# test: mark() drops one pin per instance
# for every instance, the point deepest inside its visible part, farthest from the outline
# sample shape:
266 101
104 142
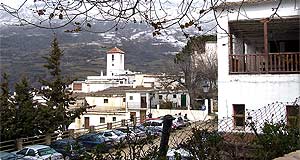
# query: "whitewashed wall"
135 103
169 97
255 91
193 115
263 10
95 119
118 64
113 102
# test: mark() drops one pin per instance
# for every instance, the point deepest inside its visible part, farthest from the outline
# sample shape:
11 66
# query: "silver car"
113 135
39 152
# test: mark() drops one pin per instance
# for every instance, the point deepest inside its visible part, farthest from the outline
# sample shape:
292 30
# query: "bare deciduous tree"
198 63
160 14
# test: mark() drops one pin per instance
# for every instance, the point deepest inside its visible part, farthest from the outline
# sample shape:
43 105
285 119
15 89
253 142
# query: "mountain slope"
22 50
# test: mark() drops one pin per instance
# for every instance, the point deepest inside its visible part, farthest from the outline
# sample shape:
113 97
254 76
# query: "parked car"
153 131
178 122
184 154
158 123
139 134
114 135
7 156
69 148
39 152
119 133
93 140
129 134
133 133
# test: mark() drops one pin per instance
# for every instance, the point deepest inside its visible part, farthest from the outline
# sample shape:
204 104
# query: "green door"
183 100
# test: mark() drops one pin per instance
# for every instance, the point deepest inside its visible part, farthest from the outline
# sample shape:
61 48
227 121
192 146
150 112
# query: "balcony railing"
136 105
273 63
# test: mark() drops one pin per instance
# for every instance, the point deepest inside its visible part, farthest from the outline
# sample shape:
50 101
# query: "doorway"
132 116
86 122
142 116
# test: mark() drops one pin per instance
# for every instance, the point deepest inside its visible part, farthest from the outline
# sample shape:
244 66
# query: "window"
114 119
23 151
112 57
107 134
112 64
86 122
130 97
239 115
77 86
102 119
121 82
293 116
31 152
174 95
105 100
159 96
124 99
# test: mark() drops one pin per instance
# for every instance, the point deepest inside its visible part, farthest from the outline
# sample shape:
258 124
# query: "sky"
173 10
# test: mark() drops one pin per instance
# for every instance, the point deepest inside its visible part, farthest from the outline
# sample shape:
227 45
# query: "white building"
117 103
115 62
122 94
115 76
258 56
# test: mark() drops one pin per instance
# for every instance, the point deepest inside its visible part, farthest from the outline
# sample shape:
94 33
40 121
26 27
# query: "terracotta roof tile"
115 50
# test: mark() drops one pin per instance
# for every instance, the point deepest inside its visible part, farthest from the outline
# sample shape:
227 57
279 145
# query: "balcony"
137 105
272 63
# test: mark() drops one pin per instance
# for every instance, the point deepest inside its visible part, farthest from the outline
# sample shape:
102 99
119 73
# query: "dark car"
133 132
138 133
93 141
69 148
7 156
153 131
129 134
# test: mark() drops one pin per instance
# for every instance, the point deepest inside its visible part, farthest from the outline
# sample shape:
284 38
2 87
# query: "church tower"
114 62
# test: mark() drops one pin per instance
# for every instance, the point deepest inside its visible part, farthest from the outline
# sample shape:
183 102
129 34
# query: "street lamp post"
151 97
205 88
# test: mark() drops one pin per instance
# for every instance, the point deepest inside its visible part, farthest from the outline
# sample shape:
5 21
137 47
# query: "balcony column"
265 36
266 52
230 44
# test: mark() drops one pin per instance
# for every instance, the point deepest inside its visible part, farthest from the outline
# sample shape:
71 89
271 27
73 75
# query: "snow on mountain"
170 39
142 34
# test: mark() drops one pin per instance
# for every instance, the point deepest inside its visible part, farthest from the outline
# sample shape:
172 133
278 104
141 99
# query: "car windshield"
118 133
46 151
99 138
136 130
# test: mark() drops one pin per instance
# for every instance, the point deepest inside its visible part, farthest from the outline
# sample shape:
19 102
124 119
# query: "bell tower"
114 62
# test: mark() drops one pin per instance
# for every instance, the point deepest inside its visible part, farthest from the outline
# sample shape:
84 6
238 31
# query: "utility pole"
167 124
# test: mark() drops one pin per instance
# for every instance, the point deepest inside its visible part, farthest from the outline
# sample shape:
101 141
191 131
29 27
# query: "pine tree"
26 110
7 118
56 115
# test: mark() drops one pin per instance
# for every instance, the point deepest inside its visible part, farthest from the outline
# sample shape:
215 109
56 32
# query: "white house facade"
258 56
123 94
